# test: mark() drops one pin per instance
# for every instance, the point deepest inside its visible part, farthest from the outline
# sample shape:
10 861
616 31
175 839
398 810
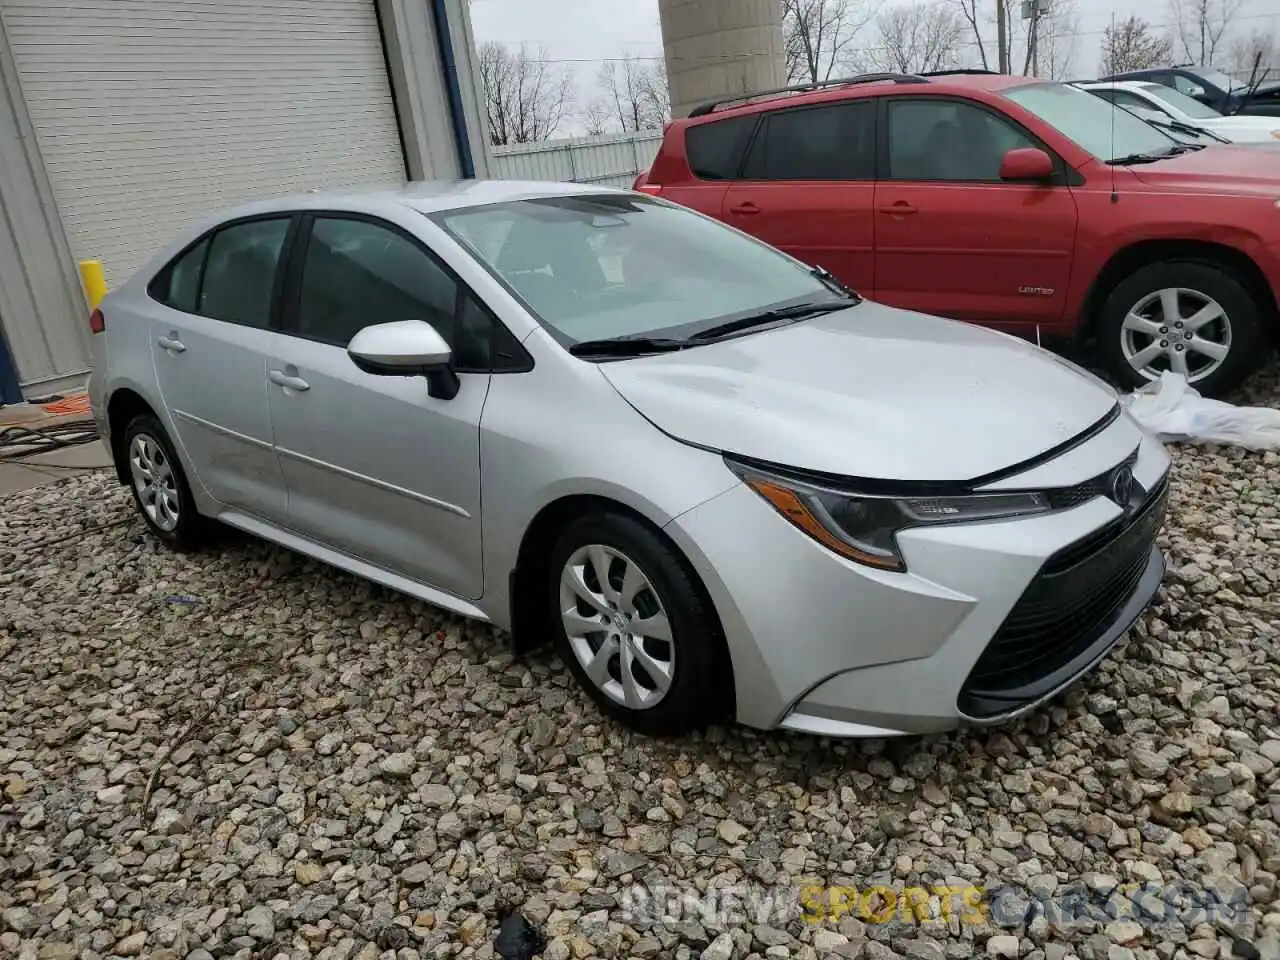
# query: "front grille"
1074 599
1062 498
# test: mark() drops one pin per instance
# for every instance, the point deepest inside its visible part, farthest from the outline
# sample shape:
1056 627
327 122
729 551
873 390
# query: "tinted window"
714 149
941 140
821 143
178 284
240 273
357 273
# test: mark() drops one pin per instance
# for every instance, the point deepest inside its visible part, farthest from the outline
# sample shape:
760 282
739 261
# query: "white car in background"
1142 97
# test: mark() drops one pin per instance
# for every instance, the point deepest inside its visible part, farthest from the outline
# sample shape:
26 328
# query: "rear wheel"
160 487
1188 317
633 628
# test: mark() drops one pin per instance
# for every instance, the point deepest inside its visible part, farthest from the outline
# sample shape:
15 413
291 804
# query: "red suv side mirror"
1026 163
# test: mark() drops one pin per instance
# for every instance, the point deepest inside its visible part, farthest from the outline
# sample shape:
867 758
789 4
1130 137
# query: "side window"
835 142
178 284
356 273
950 141
1187 85
240 272
715 148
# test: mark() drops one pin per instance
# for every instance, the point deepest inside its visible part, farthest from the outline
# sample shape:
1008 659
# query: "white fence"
612 160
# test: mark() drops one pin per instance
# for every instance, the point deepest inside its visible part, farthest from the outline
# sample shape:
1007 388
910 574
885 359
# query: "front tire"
1190 317
633 628
160 488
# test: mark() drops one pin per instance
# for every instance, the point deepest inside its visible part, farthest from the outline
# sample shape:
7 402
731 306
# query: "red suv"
1010 202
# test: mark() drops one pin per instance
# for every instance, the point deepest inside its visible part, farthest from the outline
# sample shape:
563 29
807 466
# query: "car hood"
1226 168
869 392
1255 126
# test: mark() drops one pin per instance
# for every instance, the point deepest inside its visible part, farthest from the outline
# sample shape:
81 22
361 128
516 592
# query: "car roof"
425 196
942 81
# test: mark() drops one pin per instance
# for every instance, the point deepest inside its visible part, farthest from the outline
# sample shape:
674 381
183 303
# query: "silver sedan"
718 481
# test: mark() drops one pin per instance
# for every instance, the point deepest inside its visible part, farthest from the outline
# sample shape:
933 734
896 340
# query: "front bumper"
823 645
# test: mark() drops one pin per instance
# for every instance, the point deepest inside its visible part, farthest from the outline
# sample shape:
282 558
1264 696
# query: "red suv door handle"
746 207
898 208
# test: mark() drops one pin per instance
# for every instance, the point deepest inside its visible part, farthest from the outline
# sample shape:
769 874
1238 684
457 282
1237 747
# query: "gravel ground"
242 752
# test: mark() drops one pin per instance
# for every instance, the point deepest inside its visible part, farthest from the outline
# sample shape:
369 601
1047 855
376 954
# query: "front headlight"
864 527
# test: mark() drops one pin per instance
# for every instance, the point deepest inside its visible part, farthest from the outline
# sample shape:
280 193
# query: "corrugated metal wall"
613 161
43 314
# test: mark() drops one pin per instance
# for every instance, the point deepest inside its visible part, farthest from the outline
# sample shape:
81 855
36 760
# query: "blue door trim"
10 392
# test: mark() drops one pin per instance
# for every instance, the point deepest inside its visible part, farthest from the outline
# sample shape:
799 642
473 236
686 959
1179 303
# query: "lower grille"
1073 601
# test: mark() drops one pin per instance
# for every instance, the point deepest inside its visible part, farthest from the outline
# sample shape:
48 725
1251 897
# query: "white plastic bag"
1173 410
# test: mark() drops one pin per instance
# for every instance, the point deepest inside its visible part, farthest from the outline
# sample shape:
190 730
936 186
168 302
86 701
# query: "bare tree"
1259 47
633 96
1059 40
818 35
1130 44
525 95
974 15
1201 25
917 37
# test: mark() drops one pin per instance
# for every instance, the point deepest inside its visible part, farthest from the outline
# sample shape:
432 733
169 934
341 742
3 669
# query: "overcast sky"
582 33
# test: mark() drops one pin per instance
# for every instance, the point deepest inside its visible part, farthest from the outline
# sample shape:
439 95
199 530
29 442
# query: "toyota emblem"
1122 486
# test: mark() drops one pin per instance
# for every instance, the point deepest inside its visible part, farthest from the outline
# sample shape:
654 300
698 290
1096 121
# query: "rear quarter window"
715 149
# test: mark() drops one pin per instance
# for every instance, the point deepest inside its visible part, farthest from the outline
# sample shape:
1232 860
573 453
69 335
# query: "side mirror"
406 348
1195 90
1026 164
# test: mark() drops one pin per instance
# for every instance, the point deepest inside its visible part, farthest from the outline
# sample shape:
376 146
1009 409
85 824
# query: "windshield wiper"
627 346
1153 156
826 277
1177 126
795 312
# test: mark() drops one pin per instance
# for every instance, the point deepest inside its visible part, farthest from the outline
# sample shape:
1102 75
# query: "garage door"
152 113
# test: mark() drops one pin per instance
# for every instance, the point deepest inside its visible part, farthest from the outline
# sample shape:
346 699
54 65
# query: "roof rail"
702 109
959 71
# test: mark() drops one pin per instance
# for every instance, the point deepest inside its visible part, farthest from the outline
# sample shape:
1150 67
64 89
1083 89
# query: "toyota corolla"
717 480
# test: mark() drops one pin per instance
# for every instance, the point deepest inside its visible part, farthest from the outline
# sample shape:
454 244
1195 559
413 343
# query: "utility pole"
1002 36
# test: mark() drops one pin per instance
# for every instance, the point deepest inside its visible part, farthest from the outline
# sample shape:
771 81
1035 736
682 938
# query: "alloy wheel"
1176 329
617 626
154 480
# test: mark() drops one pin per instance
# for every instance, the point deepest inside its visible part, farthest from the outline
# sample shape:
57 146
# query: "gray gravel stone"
366 776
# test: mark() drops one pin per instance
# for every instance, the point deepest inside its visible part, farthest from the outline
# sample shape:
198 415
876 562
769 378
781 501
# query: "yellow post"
94 280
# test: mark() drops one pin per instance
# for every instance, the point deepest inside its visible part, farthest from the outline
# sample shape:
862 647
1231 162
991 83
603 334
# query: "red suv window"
715 149
832 142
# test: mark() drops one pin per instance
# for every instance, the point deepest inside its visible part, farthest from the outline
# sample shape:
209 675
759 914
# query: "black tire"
699 675
191 530
1244 313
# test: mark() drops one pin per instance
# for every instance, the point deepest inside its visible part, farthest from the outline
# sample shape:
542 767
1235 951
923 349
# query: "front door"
376 467
808 188
208 331
951 237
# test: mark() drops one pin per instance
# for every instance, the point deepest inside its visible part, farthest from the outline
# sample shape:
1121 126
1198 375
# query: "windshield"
1217 78
599 267
1190 106
1097 125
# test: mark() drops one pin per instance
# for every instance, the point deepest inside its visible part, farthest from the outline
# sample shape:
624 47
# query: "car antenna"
1115 198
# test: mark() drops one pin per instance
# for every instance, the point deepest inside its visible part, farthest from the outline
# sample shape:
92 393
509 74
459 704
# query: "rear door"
951 237
808 187
210 317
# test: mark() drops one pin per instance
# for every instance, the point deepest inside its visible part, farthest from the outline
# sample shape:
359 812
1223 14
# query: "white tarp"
1174 411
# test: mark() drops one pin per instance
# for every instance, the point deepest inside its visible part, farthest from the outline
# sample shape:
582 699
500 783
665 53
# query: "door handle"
172 343
898 208
288 382
747 207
